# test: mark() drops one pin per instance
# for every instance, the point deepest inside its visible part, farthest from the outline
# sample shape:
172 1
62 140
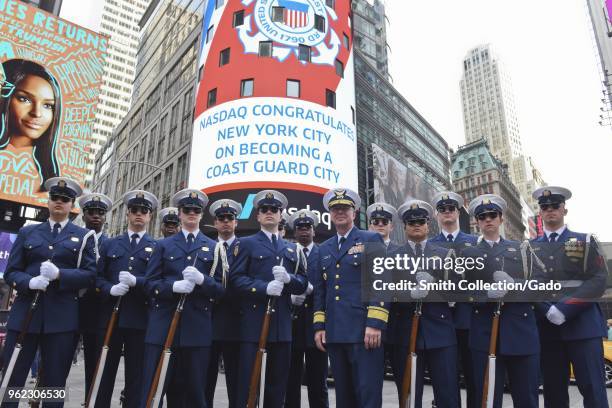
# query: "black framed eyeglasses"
141 210
484 216
553 206
382 221
189 210
268 208
446 208
413 223
57 197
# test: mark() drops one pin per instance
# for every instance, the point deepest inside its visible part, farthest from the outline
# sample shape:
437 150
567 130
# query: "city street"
76 393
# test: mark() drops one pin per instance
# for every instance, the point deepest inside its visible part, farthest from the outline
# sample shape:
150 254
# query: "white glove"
49 270
190 273
309 289
499 277
555 316
419 293
298 300
127 278
183 286
280 274
119 289
275 288
38 283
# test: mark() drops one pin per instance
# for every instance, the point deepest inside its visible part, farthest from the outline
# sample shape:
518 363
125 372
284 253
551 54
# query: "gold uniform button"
305 304
189 258
254 306
129 268
337 297
354 256
382 303
336 287
253 290
260 257
156 292
171 257
338 266
525 314
442 316
476 311
551 257
337 276
50 247
131 258
277 258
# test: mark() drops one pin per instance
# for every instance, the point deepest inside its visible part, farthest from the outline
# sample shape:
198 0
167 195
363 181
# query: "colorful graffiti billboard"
50 80
275 102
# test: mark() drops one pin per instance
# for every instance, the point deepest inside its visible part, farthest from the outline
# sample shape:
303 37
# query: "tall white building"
489 113
119 21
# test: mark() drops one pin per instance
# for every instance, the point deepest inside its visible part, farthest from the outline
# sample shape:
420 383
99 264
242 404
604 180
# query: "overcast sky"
547 49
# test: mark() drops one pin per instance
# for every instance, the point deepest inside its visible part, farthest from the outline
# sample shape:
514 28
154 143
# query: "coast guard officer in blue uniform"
518 346
571 328
94 207
447 205
303 349
436 343
121 274
55 259
381 216
266 265
226 310
181 264
350 330
170 223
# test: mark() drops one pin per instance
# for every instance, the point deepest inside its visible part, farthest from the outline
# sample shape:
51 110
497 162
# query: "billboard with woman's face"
50 76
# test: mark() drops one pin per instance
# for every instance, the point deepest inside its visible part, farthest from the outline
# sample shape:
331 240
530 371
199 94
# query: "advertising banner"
50 77
275 103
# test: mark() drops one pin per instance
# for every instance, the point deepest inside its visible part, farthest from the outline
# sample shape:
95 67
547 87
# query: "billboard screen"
394 183
6 243
275 101
50 78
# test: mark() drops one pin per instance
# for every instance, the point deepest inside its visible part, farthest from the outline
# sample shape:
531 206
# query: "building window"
319 23
265 48
246 87
238 18
339 68
209 34
330 98
345 41
293 88
218 3
330 3
212 97
278 14
224 57
304 53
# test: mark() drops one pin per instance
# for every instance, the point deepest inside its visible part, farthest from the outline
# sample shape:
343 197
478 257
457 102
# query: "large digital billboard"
275 101
50 77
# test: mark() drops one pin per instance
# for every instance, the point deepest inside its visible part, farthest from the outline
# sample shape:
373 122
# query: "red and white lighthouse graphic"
275 102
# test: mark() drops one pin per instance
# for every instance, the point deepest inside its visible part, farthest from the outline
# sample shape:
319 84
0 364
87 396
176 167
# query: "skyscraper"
119 21
599 12
370 35
489 113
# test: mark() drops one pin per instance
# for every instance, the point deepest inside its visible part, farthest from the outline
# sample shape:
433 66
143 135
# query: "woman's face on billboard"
31 107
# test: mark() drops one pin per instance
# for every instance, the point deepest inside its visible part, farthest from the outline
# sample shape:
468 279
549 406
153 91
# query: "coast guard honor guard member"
381 216
94 207
121 273
182 265
170 223
571 328
51 262
350 330
266 265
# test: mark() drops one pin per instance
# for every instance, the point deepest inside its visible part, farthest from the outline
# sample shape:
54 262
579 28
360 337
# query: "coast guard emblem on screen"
283 25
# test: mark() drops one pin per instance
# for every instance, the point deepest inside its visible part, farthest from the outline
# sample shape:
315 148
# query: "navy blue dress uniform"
436 343
304 353
250 277
193 338
129 252
518 345
89 300
225 318
55 321
462 311
339 310
169 215
574 259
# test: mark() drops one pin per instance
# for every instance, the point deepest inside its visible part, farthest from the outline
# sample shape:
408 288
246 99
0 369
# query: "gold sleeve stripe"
378 314
380 309
319 317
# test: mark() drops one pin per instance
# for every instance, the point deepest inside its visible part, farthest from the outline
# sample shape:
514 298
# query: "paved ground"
76 392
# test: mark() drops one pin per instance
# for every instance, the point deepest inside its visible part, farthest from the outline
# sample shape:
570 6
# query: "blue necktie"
553 237
449 237
56 229
341 242
190 239
133 241
418 249
274 242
